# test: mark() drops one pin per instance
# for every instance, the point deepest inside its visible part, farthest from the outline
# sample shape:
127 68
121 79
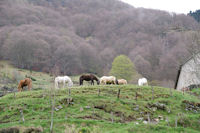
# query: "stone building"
189 73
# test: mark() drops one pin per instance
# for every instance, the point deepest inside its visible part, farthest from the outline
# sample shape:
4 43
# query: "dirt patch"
33 130
92 117
10 130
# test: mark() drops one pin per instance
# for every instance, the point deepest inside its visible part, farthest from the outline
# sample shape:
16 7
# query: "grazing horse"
25 82
108 80
122 81
88 77
64 79
142 81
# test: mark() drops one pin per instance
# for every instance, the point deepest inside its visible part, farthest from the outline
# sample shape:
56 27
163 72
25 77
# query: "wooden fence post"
152 92
22 115
136 96
176 120
14 95
52 108
149 120
99 92
112 117
118 94
170 91
69 91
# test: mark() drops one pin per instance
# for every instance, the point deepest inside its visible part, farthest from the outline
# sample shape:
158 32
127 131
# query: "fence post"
99 92
69 89
176 122
118 93
14 95
136 96
152 92
170 91
112 117
149 120
52 108
22 115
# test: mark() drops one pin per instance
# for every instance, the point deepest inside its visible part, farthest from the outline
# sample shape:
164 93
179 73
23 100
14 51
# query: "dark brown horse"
25 82
88 77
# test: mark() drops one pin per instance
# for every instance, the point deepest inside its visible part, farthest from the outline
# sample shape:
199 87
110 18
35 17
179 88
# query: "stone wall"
190 73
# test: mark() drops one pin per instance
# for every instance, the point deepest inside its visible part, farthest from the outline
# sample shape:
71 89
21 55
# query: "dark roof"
189 59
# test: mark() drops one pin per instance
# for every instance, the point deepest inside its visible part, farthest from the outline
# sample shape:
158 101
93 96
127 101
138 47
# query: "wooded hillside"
76 36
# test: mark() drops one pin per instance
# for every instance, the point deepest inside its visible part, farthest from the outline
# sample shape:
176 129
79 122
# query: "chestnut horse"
88 77
25 82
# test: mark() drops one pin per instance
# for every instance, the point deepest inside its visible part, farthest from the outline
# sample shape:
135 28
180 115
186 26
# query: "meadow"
96 109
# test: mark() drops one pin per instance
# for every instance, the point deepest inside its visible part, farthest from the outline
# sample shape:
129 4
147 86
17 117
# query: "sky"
177 6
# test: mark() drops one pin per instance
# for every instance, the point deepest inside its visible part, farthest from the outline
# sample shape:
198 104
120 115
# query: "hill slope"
85 111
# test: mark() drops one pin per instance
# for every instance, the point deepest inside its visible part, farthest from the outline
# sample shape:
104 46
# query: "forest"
84 36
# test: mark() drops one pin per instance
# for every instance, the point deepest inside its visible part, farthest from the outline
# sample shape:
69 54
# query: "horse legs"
19 89
80 81
63 84
92 82
30 86
56 85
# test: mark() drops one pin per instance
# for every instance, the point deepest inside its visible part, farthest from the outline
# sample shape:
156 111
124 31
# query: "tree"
123 67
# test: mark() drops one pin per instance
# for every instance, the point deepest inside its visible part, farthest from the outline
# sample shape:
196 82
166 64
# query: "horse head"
116 81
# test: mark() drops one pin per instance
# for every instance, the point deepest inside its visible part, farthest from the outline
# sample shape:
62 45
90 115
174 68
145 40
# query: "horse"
88 77
122 81
142 81
64 79
108 80
23 83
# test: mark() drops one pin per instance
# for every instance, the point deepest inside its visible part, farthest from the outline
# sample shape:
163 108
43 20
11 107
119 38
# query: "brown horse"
25 82
88 77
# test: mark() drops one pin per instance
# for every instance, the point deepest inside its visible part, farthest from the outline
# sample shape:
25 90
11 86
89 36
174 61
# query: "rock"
136 109
141 118
58 108
136 123
87 107
156 119
157 105
160 117
145 122
154 109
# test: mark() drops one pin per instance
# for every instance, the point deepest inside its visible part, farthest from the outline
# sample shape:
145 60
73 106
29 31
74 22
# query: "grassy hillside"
86 111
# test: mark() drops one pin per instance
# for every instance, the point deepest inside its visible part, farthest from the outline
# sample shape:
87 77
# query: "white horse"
108 80
142 82
64 79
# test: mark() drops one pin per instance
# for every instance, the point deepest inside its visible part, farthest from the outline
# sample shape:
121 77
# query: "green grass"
89 112
96 114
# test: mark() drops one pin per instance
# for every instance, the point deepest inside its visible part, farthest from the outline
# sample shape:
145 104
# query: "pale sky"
177 6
